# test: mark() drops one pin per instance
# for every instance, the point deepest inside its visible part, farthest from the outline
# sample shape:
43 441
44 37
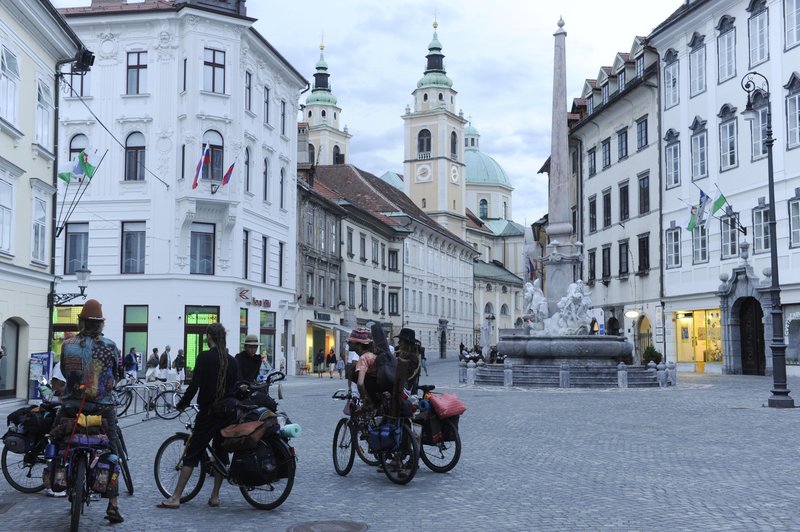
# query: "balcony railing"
424 155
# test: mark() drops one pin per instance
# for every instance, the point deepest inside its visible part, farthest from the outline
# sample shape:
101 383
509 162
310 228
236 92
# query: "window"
591 266
134 328
730 236
78 84
604 93
201 260
184 74
350 242
606 150
242 327
283 117
364 295
673 241
44 104
483 208
591 161
758 29
363 245
375 251
383 256
424 144
623 258
76 242
606 208
606 258
332 299
6 215
282 191
248 90
671 87
622 144
281 255
134 157
699 244
321 292
794 222
758 127
699 163
644 253
590 103
9 77
351 292
338 156
245 253
644 194
621 80
793 115
760 230
309 287
792 21
726 50
697 65
38 253
266 106
727 140
672 157
640 66
592 214
453 145
624 211
214 71
641 133
266 179
213 168
376 297
393 303
247 169
264 258
133 247
137 73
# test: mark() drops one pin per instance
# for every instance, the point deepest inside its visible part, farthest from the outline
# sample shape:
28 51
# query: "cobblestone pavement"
706 455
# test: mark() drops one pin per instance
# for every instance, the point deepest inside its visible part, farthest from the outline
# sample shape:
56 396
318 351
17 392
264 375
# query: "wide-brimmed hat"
360 336
407 335
251 339
92 310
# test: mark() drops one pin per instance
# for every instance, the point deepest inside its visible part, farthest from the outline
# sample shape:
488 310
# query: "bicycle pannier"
254 467
385 438
17 442
243 436
447 404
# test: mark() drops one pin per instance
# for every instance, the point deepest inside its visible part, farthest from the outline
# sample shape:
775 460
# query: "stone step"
581 376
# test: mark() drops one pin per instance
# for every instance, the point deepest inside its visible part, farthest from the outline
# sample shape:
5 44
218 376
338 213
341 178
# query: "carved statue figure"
572 317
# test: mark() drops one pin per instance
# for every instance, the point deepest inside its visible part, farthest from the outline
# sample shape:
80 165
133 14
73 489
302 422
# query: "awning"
328 325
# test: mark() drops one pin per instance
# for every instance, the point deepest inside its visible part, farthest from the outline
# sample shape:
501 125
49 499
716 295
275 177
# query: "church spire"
435 74
321 76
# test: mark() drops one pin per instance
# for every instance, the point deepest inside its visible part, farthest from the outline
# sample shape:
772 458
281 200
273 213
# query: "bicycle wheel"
344 451
122 454
362 449
167 468
443 456
23 472
122 400
272 495
400 466
78 490
165 404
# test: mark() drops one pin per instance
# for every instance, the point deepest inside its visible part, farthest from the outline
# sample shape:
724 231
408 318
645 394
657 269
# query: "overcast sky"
498 53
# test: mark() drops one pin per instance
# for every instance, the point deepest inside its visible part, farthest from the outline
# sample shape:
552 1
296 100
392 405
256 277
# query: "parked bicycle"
264 474
160 398
440 442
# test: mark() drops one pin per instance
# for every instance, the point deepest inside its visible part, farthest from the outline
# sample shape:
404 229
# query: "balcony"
423 155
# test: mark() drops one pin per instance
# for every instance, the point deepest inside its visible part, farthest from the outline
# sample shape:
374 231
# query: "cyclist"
407 350
214 378
90 365
360 341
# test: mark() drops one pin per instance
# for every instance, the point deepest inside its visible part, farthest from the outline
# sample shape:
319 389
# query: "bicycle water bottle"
51 451
292 430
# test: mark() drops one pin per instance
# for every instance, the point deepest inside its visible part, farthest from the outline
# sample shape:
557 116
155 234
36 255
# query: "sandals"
113 515
167 505
213 502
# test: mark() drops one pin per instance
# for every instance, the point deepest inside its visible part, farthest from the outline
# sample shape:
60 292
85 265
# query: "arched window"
424 203
78 143
441 97
266 179
338 156
505 210
453 144
504 309
283 188
425 97
309 114
212 169
134 157
247 169
311 154
323 113
424 144
483 209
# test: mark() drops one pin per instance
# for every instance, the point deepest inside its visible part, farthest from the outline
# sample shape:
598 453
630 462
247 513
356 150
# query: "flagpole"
85 185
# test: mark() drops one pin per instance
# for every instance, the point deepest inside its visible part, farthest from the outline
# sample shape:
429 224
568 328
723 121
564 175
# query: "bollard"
508 373
651 367
672 374
563 375
462 372
471 373
622 375
661 375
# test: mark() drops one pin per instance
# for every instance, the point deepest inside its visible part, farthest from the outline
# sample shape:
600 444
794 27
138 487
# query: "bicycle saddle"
426 387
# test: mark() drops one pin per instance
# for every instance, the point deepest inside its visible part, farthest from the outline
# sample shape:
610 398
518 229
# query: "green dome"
470 131
483 170
321 97
435 44
435 79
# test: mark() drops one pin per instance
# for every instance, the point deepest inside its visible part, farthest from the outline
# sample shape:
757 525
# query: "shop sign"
244 295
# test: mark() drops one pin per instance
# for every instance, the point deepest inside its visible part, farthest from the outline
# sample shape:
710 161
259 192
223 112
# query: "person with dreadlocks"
214 377
90 364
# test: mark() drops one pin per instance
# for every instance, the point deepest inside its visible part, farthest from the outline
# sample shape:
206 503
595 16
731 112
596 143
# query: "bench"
302 368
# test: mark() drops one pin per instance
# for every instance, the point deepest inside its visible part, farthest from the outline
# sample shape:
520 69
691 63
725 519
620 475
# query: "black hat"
407 335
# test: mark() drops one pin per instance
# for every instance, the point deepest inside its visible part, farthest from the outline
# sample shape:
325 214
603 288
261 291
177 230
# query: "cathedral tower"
434 146
327 144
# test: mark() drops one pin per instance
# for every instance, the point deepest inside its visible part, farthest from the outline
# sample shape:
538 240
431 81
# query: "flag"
86 166
227 177
717 204
697 213
204 159
71 168
692 218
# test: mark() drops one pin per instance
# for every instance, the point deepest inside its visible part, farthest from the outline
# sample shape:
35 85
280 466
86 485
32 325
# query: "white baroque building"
172 79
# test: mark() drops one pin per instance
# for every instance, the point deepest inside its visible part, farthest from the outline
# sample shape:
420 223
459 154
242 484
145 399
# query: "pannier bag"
447 404
105 473
16 441
385 438
243 436
254 467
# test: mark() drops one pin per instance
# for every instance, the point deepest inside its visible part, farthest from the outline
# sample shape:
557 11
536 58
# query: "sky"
499 55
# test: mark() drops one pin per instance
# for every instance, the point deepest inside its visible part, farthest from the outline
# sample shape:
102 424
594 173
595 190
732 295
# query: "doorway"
751 330
9 358
196 320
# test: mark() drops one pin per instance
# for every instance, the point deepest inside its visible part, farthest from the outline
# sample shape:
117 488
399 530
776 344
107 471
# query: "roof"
686 7
502 227
484 170
474 223
394 179
495 272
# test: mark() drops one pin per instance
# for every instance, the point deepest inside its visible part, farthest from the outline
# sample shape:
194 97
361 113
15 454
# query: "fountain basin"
592 350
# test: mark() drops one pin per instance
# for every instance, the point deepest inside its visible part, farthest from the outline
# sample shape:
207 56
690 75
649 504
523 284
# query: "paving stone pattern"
703 456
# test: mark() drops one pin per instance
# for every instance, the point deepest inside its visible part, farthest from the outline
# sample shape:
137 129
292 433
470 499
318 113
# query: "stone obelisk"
562 256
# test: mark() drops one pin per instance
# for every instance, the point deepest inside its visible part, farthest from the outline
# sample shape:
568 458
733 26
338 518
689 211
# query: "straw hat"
92 310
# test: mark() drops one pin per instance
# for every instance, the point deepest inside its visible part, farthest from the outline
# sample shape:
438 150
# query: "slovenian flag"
227 177
204 160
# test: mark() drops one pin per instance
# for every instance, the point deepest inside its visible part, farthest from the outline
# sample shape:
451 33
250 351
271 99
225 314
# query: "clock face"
423 172
454 174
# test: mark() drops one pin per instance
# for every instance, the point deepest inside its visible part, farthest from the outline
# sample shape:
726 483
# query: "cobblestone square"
703 456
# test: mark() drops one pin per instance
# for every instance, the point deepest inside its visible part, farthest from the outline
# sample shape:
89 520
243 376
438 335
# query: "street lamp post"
54 299
755 83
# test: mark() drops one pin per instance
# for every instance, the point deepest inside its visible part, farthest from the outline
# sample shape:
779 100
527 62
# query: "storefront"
698 339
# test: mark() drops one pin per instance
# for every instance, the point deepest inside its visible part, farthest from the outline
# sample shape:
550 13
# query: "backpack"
387 371
254 467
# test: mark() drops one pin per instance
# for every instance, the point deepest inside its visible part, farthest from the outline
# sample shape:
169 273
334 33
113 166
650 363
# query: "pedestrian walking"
330 361
164 364
319 362
180 366
422 358
340 366
130 364
152 366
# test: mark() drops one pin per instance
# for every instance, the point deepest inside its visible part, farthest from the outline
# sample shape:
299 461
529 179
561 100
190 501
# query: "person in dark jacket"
249 360
213 380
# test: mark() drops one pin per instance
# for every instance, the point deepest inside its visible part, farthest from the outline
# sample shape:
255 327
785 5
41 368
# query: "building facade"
190 216
34 41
